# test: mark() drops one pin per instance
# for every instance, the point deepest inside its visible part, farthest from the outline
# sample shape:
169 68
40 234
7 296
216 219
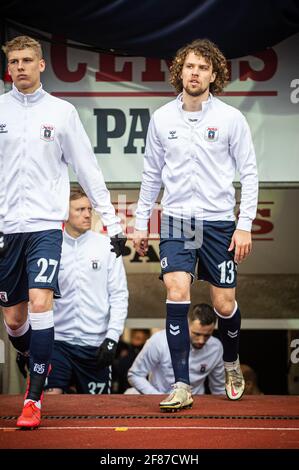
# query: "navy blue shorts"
76 365
31 261
185 244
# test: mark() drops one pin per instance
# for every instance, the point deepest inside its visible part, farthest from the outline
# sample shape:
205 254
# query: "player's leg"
14 296
177 332
43 257
177 265
229 326
217 266
229 320
18 327
177 306
42 338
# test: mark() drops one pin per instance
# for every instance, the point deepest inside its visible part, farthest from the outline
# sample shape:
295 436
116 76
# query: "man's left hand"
106 353
119 243
241 242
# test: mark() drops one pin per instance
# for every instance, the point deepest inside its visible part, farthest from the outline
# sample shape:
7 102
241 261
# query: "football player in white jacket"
152 373
195 144
40 136
2 202
90 315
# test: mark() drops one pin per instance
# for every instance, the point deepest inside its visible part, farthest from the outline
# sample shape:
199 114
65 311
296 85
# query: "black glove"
119 243
3 244
105 353
22 361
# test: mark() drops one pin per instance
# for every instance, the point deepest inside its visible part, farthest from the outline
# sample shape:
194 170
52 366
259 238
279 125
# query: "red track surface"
135 422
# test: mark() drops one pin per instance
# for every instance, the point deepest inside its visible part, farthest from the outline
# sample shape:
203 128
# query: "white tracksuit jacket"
39 136
3 208
154 361
94 294
197 164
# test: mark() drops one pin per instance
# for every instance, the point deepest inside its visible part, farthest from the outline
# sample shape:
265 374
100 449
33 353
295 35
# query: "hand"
3 244
106 353
22 361
241 242
119 243
140 241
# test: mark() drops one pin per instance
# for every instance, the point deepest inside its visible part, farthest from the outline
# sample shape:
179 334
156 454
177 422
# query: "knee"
13 323
38 306
176 292
176 295
178 286
224 307
41 302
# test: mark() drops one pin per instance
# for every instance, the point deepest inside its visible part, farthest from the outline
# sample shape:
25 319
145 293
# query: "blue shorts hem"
215 284
56 293
174 270
12 304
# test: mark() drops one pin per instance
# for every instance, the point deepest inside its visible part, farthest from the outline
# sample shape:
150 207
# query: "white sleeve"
151 177
146 360
242 150
3 202
118 297
77 152
217 376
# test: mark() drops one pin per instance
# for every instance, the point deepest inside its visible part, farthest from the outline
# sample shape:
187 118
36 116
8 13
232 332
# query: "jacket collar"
208 102
29 98
71 240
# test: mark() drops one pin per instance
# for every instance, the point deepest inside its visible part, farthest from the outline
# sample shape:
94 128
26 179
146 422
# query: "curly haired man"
195 144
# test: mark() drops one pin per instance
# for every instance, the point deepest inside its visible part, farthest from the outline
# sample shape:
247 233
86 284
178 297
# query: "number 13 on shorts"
227 272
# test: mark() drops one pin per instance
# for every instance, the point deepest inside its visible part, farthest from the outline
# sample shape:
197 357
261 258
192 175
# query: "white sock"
37 403
232 365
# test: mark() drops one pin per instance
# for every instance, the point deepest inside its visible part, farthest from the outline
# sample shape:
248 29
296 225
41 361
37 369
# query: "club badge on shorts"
211 134
47 132
3 296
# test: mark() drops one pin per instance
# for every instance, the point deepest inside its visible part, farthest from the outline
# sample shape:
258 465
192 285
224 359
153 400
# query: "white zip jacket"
2 194
94 294
40 136
154 361
197 164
